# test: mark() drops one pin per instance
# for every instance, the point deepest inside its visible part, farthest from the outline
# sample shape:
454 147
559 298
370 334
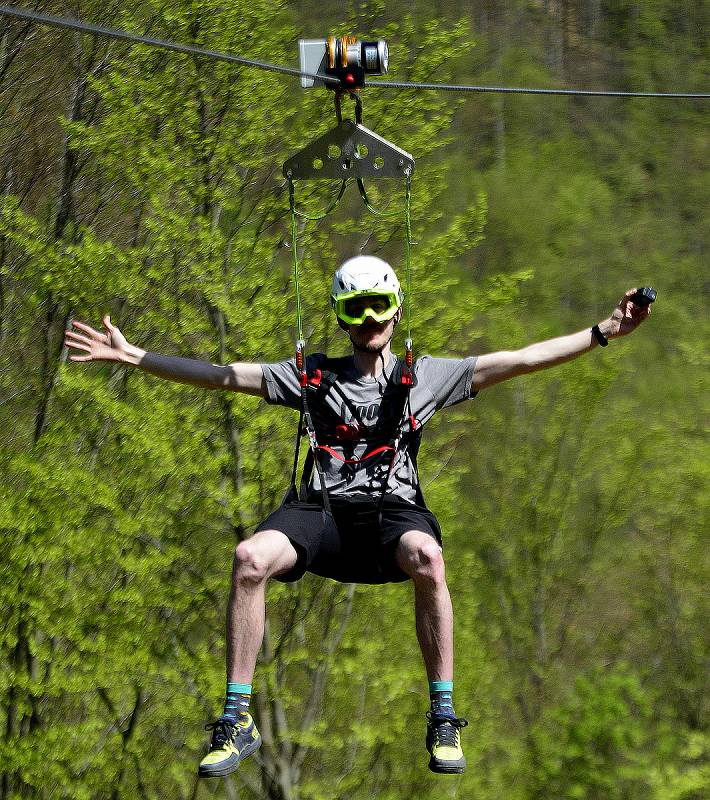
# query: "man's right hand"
96 346
92 345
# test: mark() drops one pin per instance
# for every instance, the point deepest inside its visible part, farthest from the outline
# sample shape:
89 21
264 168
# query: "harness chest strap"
322 382
311 460
376 452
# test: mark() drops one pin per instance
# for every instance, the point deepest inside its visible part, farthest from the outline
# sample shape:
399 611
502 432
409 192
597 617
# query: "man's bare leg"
256 559
420 556
234 734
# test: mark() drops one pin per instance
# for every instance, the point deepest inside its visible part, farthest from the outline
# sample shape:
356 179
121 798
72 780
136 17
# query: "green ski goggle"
355 307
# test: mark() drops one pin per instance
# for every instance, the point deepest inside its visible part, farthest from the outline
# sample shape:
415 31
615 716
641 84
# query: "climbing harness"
350 151
382 441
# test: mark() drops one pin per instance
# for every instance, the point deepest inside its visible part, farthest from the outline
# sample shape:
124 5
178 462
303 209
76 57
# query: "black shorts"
356 544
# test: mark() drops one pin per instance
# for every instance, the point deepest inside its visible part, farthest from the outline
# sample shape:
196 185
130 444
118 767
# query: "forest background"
574 502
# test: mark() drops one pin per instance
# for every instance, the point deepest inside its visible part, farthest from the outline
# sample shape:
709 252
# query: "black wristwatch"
599 336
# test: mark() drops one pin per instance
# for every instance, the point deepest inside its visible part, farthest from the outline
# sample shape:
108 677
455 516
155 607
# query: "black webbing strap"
306 474
405 419
327 380
313 451
292 493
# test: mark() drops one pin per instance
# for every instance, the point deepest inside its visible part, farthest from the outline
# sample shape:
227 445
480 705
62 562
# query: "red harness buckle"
407 378
315 378
347 433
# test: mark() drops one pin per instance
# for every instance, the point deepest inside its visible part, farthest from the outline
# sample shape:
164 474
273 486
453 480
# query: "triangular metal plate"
349 151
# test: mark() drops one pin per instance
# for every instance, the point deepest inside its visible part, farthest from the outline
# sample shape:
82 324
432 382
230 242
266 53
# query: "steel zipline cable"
456 87
134 38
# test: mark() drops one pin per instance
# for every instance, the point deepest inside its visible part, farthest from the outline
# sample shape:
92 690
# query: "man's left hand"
626 317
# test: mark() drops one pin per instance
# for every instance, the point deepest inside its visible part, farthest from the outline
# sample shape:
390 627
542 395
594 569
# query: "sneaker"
231 743
443 741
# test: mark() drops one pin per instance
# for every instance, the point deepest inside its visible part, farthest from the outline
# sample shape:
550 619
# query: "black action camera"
643 297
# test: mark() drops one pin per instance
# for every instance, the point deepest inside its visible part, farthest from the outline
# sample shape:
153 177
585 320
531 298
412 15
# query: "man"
371 524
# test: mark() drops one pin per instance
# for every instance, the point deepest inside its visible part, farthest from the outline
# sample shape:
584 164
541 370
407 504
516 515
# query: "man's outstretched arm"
93 345
493 368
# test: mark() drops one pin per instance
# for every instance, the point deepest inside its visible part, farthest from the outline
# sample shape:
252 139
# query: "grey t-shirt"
375 405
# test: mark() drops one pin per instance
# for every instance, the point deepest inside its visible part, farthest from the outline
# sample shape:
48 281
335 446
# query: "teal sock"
441 695
237 702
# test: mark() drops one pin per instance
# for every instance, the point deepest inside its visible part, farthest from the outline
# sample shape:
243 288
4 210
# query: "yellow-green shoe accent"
231 743
443 741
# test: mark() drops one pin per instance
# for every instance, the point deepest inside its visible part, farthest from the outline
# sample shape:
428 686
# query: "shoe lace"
222 732
446 729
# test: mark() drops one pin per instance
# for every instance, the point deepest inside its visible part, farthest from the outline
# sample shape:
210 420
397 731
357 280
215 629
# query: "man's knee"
252 563
421 558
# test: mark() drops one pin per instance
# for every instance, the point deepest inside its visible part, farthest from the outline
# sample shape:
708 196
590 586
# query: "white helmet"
362 276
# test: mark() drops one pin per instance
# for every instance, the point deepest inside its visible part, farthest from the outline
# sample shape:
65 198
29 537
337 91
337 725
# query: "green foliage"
574 503
687 776
590 746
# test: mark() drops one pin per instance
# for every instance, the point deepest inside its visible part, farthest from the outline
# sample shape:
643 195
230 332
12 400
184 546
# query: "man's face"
370 336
